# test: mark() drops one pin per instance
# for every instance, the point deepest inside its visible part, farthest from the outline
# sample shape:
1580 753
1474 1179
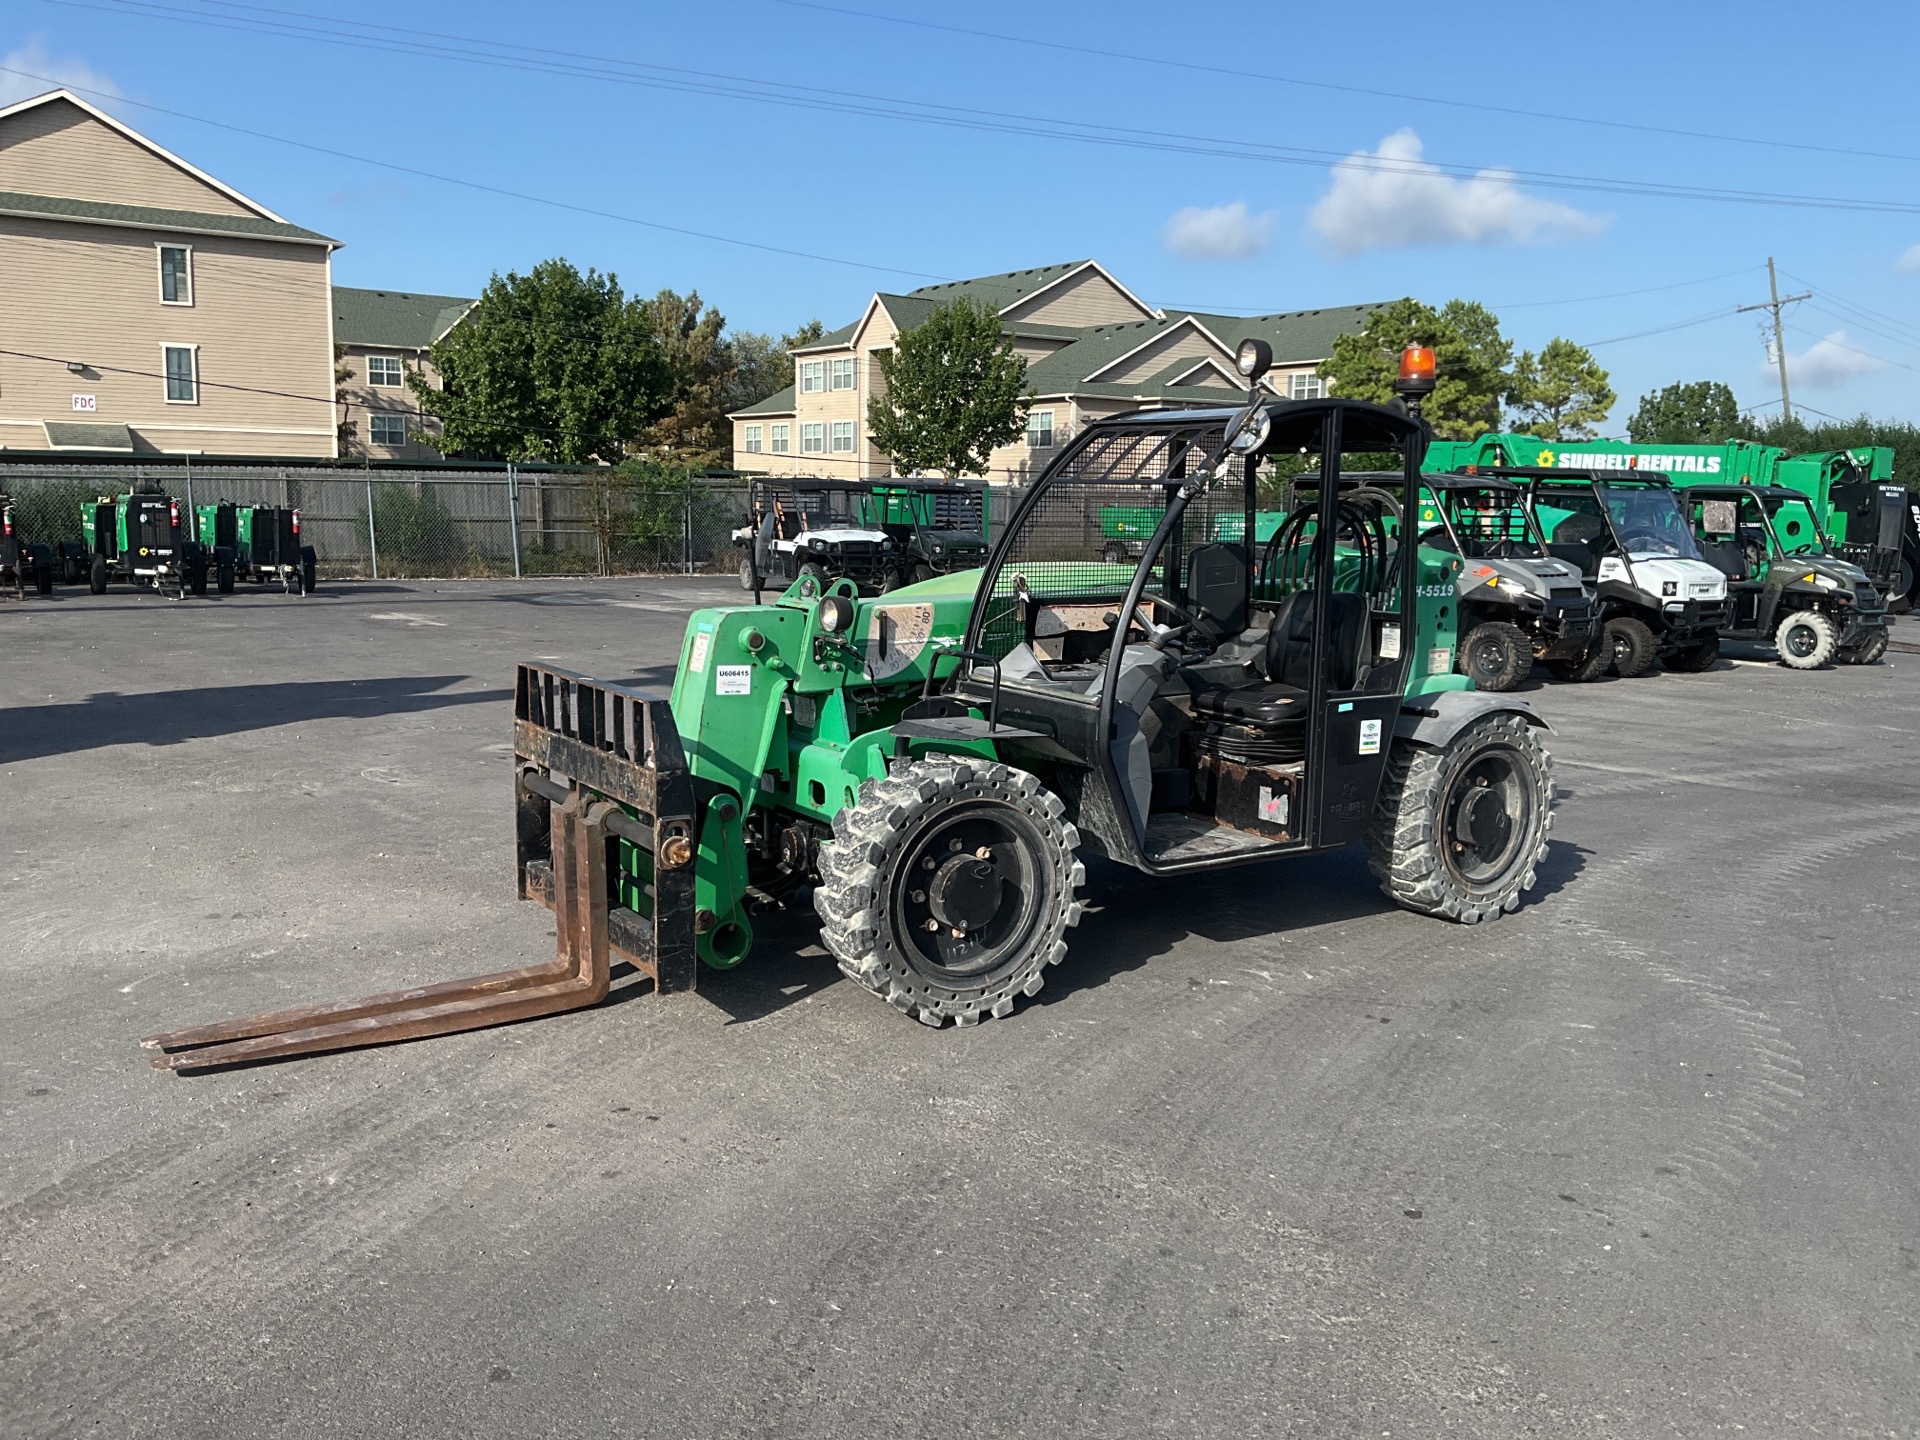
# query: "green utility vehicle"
936 763
256 543
937 526
1784 587
1518 602
1872 520
144 538
1655 597
22 558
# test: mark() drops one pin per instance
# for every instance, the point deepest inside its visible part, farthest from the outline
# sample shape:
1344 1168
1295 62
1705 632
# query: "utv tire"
1806 640
1114 554
904 871
922 571
815 573
746 575
1460 831
309 568
97 576
1695 659
1597 662
1496 655
1633 646
1868 651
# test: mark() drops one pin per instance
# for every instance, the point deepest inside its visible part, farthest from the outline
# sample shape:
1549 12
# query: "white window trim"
194 350
374 415
750 440
853 373
812 365
810 431
1052 432
780 438
399 384
834 432
160 272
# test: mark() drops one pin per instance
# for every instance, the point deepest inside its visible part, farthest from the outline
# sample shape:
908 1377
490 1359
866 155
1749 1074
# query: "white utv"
1655 595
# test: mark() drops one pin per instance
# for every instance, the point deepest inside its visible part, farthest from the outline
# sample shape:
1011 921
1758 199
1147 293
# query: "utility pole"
1779 337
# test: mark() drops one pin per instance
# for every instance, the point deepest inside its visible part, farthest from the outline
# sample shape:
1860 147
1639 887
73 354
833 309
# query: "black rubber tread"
1868 651
869 837
1515 652
1402 845
43 578
223 577
1597 662
309 566
1826 639
1634 648
97 575
817 572
1695 659
197 577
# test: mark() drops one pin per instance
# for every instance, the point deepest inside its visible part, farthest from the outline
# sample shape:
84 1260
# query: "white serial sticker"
733 680
896 634
1389 642
1440 660
702 642
1369 737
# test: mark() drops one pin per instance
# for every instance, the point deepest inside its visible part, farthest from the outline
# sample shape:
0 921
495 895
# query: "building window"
813 439
842 378
387 429
176 275
752 444
183 374
1305 387
813 376
1040 430
384 370
843 437
781 440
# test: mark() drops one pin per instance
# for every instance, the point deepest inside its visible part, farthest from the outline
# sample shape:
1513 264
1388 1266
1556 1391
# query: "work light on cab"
1254 358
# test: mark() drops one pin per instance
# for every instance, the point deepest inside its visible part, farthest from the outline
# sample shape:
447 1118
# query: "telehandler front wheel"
1806 640
1459 831
1496 655
948 889
1634 648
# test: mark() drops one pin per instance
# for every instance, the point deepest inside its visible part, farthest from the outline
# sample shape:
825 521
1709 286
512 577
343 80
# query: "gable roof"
394 317
66 96
778 403
96 212
998 291
1297 336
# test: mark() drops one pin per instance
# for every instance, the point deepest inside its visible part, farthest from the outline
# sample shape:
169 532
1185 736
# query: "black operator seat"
1277 694
1726 556
1217 590
1577 540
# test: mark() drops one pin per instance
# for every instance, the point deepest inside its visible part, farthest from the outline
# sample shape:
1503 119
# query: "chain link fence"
433 524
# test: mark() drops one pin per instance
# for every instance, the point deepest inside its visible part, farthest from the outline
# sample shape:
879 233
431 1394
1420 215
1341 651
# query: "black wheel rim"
1622 648
1800 641
969 892
1489 656
1486 816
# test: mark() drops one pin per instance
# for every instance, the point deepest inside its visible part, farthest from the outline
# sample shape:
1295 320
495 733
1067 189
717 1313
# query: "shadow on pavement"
168 717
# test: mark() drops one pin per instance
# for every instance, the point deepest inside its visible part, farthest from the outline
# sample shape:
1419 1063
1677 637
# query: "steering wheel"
1165 636
1755 553
1627 537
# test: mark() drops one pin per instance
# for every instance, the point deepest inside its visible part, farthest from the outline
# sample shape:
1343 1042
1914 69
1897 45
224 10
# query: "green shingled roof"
1297 336
49 207
999 291
832 340
778 403
393 317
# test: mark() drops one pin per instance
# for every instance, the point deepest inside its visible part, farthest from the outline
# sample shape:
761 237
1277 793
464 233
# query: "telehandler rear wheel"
1868 651
1634 648
1459 831
1806 640
1496 655
948 889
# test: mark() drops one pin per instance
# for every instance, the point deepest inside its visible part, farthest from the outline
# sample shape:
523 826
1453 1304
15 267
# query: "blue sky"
1281 224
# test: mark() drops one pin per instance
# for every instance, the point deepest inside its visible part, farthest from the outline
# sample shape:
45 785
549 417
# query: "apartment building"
381 337
149 306
1092 348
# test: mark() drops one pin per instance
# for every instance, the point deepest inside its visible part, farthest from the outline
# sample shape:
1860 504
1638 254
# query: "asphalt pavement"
1267 1157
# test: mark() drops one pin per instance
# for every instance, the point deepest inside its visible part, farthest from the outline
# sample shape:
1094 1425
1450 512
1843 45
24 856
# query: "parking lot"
1267 1157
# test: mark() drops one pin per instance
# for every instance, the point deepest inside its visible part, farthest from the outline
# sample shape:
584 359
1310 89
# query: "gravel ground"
1267 1157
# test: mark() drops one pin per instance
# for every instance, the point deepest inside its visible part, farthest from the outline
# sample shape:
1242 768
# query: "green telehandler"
936 764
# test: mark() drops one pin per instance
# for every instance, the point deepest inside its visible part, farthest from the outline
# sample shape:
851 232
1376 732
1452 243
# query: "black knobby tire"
1496 655
97 575
922 571
1459 831
1633 646
1806 640
223 573
906 862
1868 651
70 572
309 570
816 573
1900 599
1695 659
1596 662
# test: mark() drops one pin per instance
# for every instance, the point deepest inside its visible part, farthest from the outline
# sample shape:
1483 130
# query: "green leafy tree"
1471 357
552 365
694 430
954 390
1560 394
762 365
1697 412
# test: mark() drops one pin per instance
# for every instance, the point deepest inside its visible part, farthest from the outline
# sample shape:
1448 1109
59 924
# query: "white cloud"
1829 361
1909 260
1392 199
34 59
1220 232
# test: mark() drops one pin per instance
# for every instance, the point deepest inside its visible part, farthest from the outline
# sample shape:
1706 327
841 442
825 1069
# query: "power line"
1779 344
339 32
1619 294
1720 314
1827 294
1851 349
1457 104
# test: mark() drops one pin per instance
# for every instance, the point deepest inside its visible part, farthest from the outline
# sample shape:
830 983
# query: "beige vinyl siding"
1181 343
361 400
1087 298
89 293
59 149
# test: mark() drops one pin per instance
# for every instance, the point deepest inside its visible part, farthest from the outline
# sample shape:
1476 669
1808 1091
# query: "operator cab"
1212 699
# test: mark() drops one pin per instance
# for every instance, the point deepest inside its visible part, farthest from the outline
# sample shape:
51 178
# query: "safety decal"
1369 737
896 637
702 642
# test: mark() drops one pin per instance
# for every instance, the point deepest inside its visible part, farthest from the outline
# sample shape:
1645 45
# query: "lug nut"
675 851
